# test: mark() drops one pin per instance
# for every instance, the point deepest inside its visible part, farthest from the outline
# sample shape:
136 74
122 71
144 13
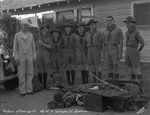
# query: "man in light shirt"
25 55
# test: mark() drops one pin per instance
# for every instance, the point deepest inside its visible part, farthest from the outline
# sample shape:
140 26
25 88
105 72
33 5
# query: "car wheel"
11 84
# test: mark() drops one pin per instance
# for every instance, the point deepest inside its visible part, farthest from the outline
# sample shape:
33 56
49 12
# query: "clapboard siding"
120 9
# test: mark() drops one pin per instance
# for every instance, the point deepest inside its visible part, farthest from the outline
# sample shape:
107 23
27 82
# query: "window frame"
132 10
84 8
43 17
67 10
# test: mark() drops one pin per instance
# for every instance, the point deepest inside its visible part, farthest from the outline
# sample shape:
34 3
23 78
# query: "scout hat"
55 30
130 19
91 21
44 26
67 24
80 24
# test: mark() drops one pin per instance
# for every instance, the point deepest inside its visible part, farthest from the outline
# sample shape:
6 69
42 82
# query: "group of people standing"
56 52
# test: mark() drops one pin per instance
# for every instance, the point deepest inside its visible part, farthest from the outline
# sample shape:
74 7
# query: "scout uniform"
25 51
69 54
133 39
81 54
94 44
43 58
112 38
56 56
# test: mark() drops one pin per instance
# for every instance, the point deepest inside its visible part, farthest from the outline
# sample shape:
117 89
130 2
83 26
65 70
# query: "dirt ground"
11 103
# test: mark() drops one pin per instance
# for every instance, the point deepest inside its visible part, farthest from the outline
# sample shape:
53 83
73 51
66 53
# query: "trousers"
25 73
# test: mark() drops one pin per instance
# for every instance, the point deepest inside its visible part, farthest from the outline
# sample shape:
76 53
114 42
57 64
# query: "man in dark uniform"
69 53
134 44
94 40
113 46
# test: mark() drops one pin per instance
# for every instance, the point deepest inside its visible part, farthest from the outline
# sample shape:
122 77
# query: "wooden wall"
119 9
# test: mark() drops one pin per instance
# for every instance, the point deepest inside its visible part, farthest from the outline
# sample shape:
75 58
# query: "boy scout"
69 52
24 54
113 46
81 52
134 44
56 55
94 40
43 55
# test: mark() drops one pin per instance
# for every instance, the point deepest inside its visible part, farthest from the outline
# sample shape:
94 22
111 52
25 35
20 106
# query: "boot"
52 76
116 75
40 78
83 76
94 79
99 75
68 77
45 80
73 76
110 75
133 76
86 76
139 76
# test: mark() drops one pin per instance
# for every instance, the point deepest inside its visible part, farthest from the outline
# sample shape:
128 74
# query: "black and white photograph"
74 57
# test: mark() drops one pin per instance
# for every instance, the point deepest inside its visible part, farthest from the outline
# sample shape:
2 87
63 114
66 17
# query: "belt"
93 45
56 51
111 45
132 46
69 47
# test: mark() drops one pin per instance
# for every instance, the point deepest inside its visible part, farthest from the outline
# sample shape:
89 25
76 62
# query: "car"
8 72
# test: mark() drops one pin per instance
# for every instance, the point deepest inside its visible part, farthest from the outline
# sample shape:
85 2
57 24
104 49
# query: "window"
48 17
68 14
84 14
142 13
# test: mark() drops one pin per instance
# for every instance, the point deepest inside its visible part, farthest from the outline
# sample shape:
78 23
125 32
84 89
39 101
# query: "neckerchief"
56 43
130 30
43 37
58 40
92 33
110 29
68 39
81 37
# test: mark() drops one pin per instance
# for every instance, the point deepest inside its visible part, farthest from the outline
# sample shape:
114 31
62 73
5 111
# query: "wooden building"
97 9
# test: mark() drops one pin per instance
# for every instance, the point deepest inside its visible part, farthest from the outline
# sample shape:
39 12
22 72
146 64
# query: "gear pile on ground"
118 95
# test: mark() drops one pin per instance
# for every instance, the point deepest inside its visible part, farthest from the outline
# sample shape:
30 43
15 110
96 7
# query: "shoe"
23 94
31 93
45 87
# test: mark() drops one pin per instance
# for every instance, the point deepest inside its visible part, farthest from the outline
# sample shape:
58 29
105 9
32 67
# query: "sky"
1 0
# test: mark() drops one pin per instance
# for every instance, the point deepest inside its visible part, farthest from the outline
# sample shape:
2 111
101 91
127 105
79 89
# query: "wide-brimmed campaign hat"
91 21
67 24
80 24
130 19
44 26
55 30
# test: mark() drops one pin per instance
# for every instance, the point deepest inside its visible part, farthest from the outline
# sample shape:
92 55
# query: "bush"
9 26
